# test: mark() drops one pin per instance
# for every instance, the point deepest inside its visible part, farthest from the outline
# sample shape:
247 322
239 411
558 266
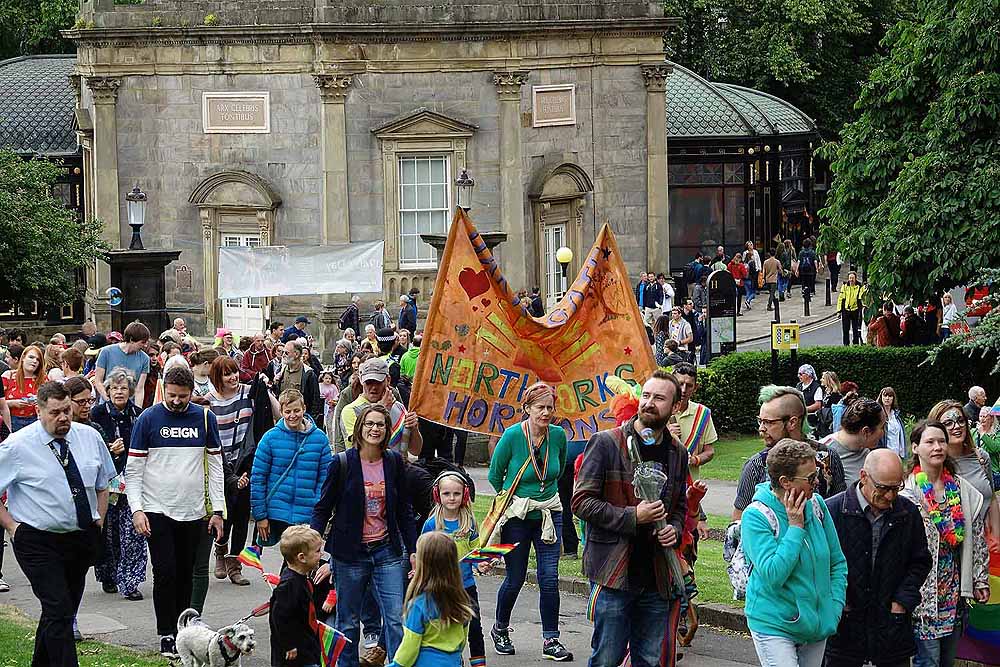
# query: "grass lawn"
731 452
713 582
17 638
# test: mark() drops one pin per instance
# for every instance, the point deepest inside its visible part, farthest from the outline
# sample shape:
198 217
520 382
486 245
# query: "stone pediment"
235 189
422 122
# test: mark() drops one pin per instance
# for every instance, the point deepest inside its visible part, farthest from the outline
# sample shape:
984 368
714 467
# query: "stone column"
105 205
333 89
515 261
657 202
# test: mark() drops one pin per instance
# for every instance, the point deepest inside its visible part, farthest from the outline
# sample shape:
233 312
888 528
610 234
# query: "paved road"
111 619
814 335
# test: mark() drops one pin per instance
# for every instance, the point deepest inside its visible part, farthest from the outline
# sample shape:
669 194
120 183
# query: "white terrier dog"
200 646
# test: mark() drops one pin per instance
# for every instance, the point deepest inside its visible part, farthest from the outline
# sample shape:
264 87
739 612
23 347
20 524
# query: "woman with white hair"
123 565
813 391
370 343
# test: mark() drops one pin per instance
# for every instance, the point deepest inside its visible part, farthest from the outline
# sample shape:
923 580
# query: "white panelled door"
555 283
244 317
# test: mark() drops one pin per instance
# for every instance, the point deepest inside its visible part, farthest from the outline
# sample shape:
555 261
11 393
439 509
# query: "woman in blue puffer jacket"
289 469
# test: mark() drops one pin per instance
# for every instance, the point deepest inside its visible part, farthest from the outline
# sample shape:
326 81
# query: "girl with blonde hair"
436 608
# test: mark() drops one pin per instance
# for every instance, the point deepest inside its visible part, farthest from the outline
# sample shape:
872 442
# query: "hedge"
730 384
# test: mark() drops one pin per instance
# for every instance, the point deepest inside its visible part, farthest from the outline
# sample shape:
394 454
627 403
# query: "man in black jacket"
883 539
296 375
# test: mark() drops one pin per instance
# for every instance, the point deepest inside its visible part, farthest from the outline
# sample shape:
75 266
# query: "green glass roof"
697 107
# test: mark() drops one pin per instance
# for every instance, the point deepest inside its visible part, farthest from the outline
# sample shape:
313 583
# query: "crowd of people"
862 538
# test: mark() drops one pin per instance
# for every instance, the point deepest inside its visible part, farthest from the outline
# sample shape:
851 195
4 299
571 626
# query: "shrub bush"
730 385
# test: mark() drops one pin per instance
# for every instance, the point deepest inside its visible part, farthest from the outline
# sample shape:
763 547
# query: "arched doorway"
558 203
236 208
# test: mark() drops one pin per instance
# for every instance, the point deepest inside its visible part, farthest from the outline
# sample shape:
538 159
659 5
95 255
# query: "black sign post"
720 329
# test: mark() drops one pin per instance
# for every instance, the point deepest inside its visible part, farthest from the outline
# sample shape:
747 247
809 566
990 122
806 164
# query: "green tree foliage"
814 53
29 27
41 241
917 177
981 342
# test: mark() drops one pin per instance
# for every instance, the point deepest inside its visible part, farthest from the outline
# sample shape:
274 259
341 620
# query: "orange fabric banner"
481 348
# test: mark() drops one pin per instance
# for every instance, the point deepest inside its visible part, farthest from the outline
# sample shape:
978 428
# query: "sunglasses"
812 479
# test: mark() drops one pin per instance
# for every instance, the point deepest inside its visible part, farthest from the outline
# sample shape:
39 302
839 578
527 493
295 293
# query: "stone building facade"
289 122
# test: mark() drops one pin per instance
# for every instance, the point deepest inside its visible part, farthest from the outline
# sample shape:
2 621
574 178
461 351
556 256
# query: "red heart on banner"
474 283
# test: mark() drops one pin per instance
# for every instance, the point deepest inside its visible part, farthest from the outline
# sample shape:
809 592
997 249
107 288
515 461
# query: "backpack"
346 317
738 567
824 422
807 263
831 257
690 276
420 484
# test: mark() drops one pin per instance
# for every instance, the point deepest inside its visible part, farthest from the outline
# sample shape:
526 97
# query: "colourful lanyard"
539 472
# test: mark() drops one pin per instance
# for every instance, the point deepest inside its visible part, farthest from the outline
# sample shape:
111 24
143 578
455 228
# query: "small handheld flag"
250 557
332 643
488 553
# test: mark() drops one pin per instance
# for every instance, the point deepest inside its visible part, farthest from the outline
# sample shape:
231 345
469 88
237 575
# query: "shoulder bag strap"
520 473
284 473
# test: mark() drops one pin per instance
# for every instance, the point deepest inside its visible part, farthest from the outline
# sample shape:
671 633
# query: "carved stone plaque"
236 113
553 105
182 278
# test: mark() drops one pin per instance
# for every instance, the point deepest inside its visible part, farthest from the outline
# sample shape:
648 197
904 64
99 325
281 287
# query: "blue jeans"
385 572
751 287
937 652
526 533
775 651
641 622
782 284
17 423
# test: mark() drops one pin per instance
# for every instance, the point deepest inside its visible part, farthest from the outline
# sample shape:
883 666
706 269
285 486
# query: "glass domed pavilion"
740 167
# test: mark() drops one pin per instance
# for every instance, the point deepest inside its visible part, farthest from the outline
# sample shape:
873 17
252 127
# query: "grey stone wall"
162 146
377 98
608 142
105 13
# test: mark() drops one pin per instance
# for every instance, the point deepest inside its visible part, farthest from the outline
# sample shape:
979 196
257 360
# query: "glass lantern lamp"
136 203
464 184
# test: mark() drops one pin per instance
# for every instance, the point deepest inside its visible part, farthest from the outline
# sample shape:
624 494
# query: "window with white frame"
424 203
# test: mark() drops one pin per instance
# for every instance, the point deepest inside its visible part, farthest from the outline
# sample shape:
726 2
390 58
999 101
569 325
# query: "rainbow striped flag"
396 437
981 641
489 552
250 557
332 643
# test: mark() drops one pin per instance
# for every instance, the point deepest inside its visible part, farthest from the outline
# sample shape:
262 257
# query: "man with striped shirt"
175 445
783 415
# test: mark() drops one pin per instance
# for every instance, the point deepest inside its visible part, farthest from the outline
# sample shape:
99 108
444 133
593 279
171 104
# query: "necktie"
84 518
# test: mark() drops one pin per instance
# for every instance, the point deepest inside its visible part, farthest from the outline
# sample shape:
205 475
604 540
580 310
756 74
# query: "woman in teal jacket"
798 576
289 469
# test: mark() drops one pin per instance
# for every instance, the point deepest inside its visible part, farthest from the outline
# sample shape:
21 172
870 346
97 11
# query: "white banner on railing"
298 270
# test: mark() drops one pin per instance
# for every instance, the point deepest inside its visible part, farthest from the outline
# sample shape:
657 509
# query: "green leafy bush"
730 385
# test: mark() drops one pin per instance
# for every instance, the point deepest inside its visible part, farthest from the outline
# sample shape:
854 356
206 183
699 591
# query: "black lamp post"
564 256
136 200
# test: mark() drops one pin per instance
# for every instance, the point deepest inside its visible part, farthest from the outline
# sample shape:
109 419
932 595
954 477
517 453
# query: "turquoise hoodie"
798 584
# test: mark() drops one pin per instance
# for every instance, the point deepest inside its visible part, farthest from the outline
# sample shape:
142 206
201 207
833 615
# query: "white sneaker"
4 586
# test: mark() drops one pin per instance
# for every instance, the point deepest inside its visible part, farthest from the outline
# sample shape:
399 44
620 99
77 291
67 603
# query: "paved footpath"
111 619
